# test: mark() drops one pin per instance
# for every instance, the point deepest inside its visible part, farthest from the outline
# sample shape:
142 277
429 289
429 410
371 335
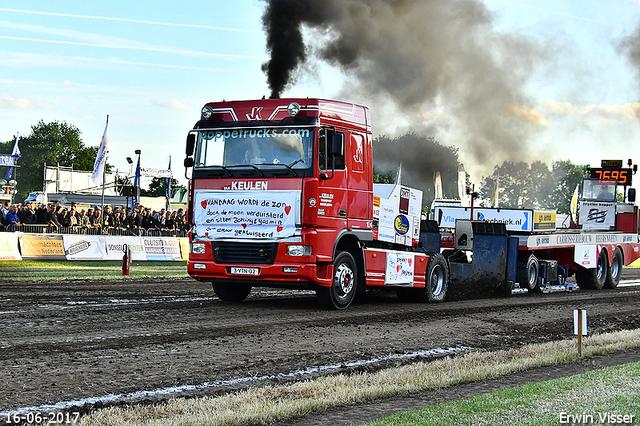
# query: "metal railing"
140 232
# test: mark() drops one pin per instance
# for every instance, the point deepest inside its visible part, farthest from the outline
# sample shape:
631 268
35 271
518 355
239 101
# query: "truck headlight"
298 250
197 248
207 112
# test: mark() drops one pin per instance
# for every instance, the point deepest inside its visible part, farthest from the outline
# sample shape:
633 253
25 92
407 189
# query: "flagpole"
104 177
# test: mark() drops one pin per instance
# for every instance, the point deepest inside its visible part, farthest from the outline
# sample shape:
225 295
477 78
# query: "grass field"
607 396
613 390
26 270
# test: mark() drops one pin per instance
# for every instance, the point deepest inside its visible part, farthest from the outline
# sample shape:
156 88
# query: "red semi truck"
281 194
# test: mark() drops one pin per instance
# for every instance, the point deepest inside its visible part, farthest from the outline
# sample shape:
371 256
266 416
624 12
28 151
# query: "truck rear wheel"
231 292
343 288
529 276
436 283
594 278
615 270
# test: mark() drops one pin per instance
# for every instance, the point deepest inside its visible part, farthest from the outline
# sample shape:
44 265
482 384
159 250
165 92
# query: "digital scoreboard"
621 176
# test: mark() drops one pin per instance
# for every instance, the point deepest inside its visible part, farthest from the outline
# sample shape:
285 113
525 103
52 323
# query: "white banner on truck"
597 215
246 214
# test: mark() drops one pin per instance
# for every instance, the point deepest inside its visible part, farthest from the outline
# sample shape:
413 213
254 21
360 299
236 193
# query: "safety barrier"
20 245
140 232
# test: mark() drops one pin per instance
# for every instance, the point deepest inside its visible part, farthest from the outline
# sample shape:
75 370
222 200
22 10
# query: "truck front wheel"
231 292
343 288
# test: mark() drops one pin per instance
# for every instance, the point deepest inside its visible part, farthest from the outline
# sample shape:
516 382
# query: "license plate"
245 271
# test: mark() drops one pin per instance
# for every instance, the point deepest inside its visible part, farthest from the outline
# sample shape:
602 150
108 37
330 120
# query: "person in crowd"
108 217
12 220
41 213
63 217
84 218
30 213
95 220
52 217
74 215
3 213
170 222
134 221
159 218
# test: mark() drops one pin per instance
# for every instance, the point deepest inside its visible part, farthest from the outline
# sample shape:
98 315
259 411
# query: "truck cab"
279 188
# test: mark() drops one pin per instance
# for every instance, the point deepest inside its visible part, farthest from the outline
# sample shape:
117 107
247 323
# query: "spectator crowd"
119 220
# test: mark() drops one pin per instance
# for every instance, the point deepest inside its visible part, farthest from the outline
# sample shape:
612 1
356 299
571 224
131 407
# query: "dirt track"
71 341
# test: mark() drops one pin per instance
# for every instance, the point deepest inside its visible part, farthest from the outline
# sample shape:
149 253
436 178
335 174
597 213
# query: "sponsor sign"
84 247
514 219
544 221
597 215
161 248
246 214
7 160
49 247
399 268
114 247
586 255
9 246
401 224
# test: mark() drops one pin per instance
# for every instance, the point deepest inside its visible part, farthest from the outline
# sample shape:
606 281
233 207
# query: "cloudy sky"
500 79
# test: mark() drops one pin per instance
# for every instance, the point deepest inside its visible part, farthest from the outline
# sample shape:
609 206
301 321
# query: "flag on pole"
101 159
574 203
496 196
136 182
437 180
168 195
462 186
15 154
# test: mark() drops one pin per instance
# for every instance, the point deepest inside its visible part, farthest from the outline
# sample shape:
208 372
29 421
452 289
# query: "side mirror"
191 144
631 195
188 162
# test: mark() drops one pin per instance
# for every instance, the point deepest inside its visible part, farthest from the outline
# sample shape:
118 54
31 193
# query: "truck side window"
327 141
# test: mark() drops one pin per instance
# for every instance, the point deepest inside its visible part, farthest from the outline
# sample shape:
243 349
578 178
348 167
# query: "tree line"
61 143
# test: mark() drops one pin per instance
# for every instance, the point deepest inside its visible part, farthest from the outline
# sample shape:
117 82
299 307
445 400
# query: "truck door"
332 185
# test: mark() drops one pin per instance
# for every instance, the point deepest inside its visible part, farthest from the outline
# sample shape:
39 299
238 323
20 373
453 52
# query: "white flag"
101 158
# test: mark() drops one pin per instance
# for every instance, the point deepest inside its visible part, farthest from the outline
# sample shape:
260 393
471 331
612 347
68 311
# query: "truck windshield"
600 190
264 146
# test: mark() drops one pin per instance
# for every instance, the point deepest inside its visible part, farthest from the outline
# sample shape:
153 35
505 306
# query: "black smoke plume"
440 63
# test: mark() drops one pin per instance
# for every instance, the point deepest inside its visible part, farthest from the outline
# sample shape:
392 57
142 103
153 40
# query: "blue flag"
136 183
15 154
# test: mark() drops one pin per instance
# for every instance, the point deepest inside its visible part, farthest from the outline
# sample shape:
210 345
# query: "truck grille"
244 253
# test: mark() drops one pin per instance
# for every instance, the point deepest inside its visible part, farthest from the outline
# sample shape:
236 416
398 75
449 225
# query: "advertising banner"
246 214
84 247
399 269
9 246
514 219
161 248
115 247
597 215
46 247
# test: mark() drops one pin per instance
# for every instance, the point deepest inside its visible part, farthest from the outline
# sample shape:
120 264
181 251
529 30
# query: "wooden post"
580 326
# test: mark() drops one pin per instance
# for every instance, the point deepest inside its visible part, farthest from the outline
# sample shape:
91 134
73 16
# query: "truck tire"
345 281
529 276
436 283
231 292
615 270
594 278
